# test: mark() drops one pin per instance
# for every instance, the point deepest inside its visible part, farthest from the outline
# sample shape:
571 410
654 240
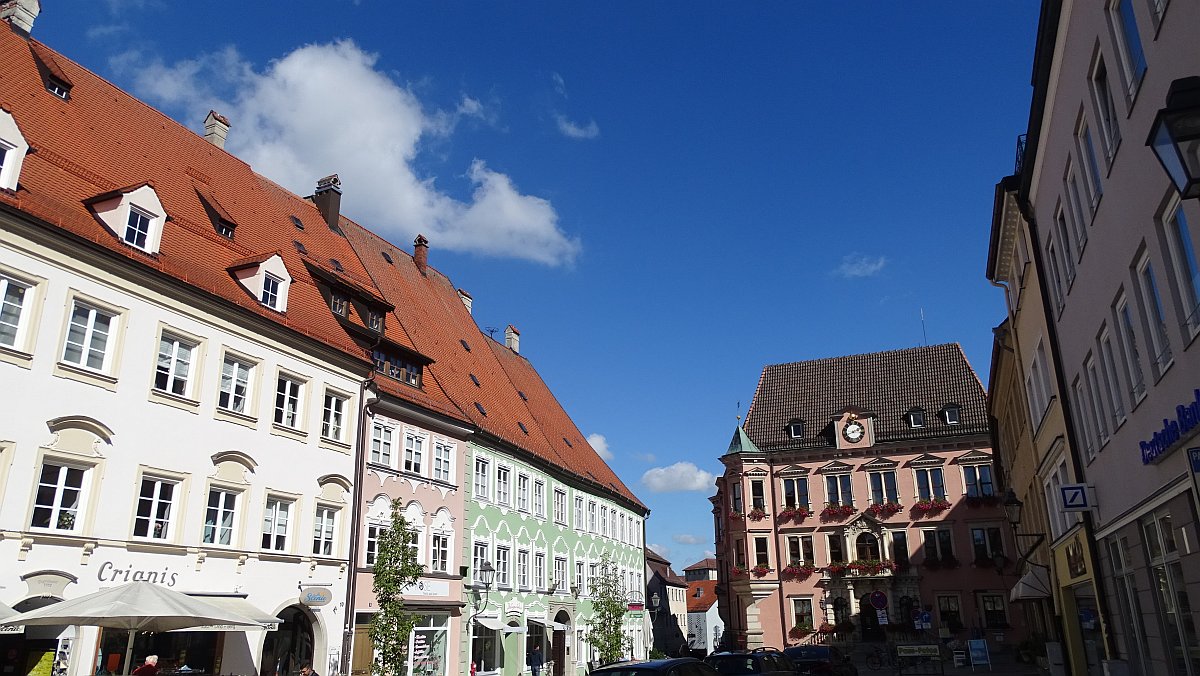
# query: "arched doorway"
868 619
291 646
559 649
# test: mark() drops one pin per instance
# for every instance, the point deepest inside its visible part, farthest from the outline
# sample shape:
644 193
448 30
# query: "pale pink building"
860 494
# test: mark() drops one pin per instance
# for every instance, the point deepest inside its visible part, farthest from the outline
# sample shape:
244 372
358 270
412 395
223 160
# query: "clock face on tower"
853 431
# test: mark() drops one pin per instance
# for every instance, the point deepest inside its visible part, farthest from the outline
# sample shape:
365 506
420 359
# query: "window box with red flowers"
736 516
871 566
800 631
760 571
757 514
800 570
883 510
836 568
931 506
794 513
835 512
738 571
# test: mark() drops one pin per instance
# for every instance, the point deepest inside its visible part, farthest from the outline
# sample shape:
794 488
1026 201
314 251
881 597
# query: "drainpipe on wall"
356 510
778 561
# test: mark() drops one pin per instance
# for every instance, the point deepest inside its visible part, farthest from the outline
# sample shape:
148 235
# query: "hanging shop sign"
1187 418
315 596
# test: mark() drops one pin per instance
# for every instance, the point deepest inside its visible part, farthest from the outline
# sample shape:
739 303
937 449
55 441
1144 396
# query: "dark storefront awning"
1032 586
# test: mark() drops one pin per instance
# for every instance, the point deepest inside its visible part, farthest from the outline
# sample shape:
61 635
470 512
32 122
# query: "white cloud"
645 457
105 31
857 265
573 130
326 108
599 443
686 539
682 476
710 554
661 550
560 85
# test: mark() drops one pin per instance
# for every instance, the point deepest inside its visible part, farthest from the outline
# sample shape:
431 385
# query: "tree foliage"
396 567
608 612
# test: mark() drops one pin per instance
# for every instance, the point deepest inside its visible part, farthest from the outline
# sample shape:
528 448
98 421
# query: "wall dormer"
13 147
854 428
134 214
266 278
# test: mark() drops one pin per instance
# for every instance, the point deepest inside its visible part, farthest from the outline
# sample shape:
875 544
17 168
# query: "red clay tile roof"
707 597
703 564
433 315
888 384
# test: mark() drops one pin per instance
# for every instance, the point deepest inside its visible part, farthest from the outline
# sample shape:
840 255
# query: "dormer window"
58 88
133 214
795 429
915 418
222 220
374 320
12 151
270 291
950 414
53 76
394 366
337 303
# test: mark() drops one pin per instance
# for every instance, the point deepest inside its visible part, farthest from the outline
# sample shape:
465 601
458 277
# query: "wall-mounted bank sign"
1187 417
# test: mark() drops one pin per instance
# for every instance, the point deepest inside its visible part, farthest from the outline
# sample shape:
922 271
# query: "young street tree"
609 606
396 567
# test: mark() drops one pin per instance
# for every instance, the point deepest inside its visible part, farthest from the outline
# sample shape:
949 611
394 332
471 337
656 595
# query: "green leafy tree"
608 612
396 567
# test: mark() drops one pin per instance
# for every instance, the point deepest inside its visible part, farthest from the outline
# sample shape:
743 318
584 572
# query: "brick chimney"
466 299
421 254
216 128
328 199
512 338
20 13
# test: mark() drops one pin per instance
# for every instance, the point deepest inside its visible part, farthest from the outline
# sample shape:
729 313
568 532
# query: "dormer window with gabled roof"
338 303
13 147
133 214
53 77
221 219
915 418
391 364
951 414
266 278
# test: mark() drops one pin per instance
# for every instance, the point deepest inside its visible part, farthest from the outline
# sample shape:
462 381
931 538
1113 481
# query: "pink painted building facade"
859 498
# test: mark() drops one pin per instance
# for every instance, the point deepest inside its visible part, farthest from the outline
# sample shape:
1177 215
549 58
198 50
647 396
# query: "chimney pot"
216 128
328 199
466 299
512 338
20 13
421 254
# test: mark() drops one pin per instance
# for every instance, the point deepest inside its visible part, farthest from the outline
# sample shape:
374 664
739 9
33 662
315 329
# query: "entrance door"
363 654
559 652
869 620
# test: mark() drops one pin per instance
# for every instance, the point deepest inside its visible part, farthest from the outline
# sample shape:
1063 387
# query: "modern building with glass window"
859 501
1113 233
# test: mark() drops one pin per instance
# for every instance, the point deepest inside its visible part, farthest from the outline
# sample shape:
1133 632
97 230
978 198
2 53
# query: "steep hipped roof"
889 384
702 594
496 389
703 564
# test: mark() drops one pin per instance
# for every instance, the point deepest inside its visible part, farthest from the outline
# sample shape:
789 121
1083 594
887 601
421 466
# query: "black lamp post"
1012 511
486 574
1175 136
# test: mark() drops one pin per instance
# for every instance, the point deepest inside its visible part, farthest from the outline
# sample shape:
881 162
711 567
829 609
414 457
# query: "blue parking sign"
1194 459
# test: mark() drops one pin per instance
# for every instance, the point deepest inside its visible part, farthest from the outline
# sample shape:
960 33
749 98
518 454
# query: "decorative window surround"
19 315
13 148
236 388
90 350
265 278
134 214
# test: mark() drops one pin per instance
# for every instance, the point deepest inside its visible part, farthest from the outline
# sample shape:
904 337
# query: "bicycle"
879 658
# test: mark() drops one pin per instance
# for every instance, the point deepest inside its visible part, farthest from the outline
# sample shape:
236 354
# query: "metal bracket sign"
1075 497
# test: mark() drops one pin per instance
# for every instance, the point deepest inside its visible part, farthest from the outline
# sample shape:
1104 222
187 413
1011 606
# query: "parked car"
764 661
677 666
820 659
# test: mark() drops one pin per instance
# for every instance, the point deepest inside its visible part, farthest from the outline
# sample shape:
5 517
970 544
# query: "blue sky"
663 197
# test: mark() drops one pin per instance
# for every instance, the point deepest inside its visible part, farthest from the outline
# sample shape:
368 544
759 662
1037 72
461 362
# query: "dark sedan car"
680 666
763 661
820 659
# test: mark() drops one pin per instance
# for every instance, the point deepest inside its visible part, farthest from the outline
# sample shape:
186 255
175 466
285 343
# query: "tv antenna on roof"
491 330
924 338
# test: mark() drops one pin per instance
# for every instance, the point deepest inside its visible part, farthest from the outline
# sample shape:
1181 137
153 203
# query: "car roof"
644 665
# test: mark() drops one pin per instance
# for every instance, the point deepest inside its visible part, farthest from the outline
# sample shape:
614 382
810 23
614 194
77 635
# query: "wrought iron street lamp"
1012 511
1175 136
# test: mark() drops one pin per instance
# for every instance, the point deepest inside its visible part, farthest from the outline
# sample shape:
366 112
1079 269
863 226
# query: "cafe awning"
495 624
509 629
237 603
1033 585
549 625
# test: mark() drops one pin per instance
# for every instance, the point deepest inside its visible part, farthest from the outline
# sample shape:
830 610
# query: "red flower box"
757 514
883 510
834 512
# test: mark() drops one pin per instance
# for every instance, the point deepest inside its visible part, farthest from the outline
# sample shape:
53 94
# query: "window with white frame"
1101 416
1091 164
838 490
523 568
1156 320
60 497
1072 246
795 492
276 520
482 479
978 480
333 413
560 574
1112 385
883 487
591 517
371 547
758 494
560 506
915 418
220 517
1123 25
288 391
952 414
580 580
137 228
1129 349
1060 520
439 552
539 570
13 148
1183 264
502 486
479 556
414 453
381 444
802 613
1056 274
324 530
938 544
931 483
1082 408
1106 108
443 456
270 291
13 294
1128 599
523 492
172 372
1078 215
539 498
578 513
800 550
735 497
604 520
338 303
835 544
156 498
502 579
235 384
994 614
87 343
986 542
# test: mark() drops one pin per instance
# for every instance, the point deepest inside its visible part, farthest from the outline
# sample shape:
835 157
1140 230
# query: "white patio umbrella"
134 607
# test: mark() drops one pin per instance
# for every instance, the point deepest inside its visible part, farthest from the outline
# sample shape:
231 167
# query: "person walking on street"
536 661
